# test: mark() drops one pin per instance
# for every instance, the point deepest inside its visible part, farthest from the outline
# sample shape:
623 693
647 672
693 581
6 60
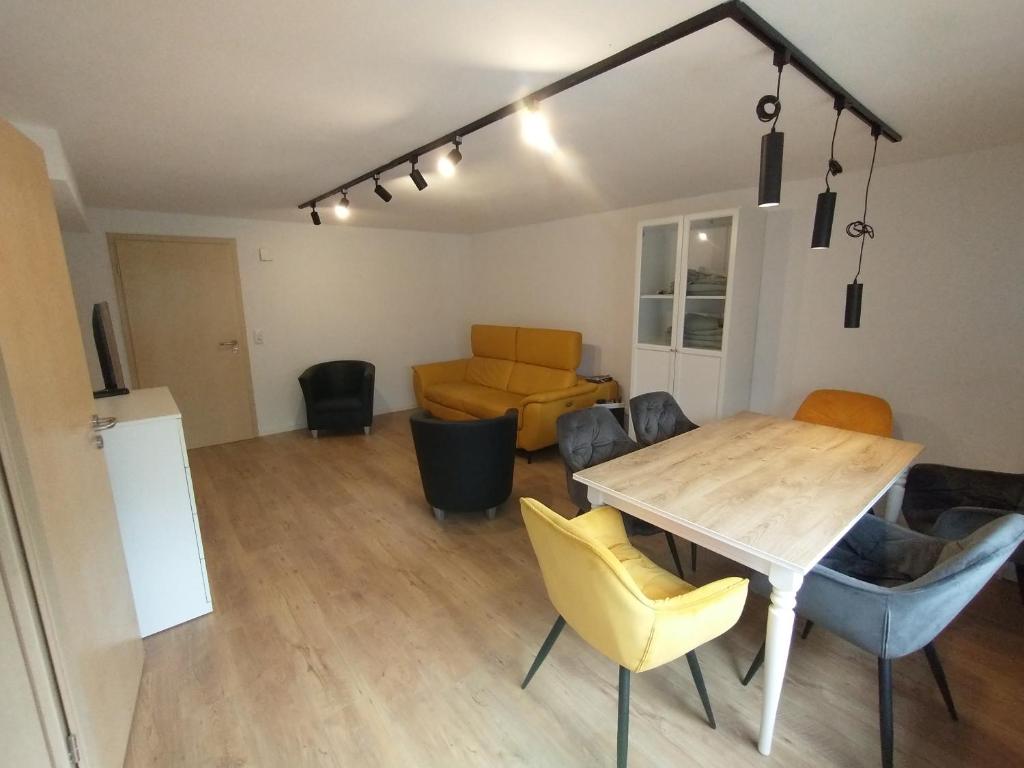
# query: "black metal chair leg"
693 556
1020 579
675 552
885 709
940 678
754 665
808 626
549 641
622 739
698 679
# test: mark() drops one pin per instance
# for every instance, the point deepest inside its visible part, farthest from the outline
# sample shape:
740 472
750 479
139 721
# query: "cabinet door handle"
100 423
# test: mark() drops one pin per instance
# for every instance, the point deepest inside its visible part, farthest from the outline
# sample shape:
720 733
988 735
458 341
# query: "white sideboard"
156 508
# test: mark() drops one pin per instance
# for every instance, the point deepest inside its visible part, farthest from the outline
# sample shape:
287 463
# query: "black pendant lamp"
825 211
863 230
769 107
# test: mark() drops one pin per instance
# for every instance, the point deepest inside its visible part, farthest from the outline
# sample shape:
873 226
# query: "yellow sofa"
530 369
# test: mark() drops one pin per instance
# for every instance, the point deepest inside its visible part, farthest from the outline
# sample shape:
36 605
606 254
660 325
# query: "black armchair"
953 502
338 395
465 466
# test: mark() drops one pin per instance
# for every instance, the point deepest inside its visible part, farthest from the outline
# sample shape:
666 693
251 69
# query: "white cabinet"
698 280
156 510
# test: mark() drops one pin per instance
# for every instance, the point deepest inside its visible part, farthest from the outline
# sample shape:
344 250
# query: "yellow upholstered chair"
854 411
634 612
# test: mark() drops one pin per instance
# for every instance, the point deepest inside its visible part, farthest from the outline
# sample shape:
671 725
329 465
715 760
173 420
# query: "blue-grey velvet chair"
891 591
656 416
953 502
590 437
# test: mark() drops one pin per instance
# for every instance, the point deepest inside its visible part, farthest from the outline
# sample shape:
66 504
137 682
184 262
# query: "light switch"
257 336
266 255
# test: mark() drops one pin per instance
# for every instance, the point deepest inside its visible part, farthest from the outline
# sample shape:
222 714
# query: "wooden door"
181 303
56 477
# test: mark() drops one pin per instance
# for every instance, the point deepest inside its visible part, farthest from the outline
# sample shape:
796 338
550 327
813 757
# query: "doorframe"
122 304
20 577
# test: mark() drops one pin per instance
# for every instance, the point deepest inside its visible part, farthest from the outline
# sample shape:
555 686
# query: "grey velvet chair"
657 416
590 437
891 591
953 502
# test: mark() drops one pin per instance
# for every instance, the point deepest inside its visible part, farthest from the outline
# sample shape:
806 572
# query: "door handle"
100 423
232 345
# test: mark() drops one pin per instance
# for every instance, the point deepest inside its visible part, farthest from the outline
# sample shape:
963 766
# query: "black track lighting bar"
733 9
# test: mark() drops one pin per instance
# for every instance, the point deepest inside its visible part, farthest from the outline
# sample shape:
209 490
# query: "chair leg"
438 514
940 678
1020 579
366 430
698 679
754 665
808 626
693 556
675 552
622 739
549 641
316 433
492 512
885 709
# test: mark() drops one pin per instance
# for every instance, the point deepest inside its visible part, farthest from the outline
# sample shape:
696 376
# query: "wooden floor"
351 629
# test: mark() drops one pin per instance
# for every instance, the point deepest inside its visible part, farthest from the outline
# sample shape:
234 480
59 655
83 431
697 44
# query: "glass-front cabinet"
697 283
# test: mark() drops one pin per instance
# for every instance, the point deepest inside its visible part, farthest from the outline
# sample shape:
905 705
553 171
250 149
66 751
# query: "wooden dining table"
772 494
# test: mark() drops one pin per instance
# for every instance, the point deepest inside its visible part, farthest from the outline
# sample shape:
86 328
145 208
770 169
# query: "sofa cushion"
489 372
549 348
497 341
482 402
529 379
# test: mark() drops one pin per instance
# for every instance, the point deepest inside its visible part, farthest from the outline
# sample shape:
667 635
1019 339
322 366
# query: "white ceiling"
247 107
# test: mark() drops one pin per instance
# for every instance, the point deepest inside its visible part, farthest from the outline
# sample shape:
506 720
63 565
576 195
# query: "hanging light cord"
861 228
833 168
769 107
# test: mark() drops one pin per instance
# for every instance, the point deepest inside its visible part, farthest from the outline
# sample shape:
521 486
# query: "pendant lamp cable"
861 228
834 168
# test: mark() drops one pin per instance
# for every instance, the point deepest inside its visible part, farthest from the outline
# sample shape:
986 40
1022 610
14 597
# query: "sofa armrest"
559 394
435 373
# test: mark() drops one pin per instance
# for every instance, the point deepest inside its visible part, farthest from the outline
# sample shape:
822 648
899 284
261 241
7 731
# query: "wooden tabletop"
786 490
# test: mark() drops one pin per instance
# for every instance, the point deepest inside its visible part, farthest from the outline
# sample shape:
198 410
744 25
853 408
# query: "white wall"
942 334
391 297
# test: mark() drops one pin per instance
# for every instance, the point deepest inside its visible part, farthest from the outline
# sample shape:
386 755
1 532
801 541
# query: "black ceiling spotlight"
416 176
769 107
446 165
863 230
824 212
341 209
379 191
315 216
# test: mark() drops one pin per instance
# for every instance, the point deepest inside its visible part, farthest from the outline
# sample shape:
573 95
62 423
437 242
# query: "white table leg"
595 497
780 633
894 498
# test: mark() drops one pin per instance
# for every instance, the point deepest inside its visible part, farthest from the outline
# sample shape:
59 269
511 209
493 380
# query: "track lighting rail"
733 9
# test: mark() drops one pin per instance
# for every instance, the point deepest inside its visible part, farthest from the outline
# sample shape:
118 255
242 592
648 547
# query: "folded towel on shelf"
702 282
702 331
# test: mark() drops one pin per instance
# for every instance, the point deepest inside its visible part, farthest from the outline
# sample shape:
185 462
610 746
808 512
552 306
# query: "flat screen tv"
106 350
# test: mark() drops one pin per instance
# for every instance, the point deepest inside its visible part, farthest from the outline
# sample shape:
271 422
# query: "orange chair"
847 410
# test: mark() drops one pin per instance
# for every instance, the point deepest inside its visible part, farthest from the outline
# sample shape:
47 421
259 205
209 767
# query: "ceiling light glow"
702 236
535 130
